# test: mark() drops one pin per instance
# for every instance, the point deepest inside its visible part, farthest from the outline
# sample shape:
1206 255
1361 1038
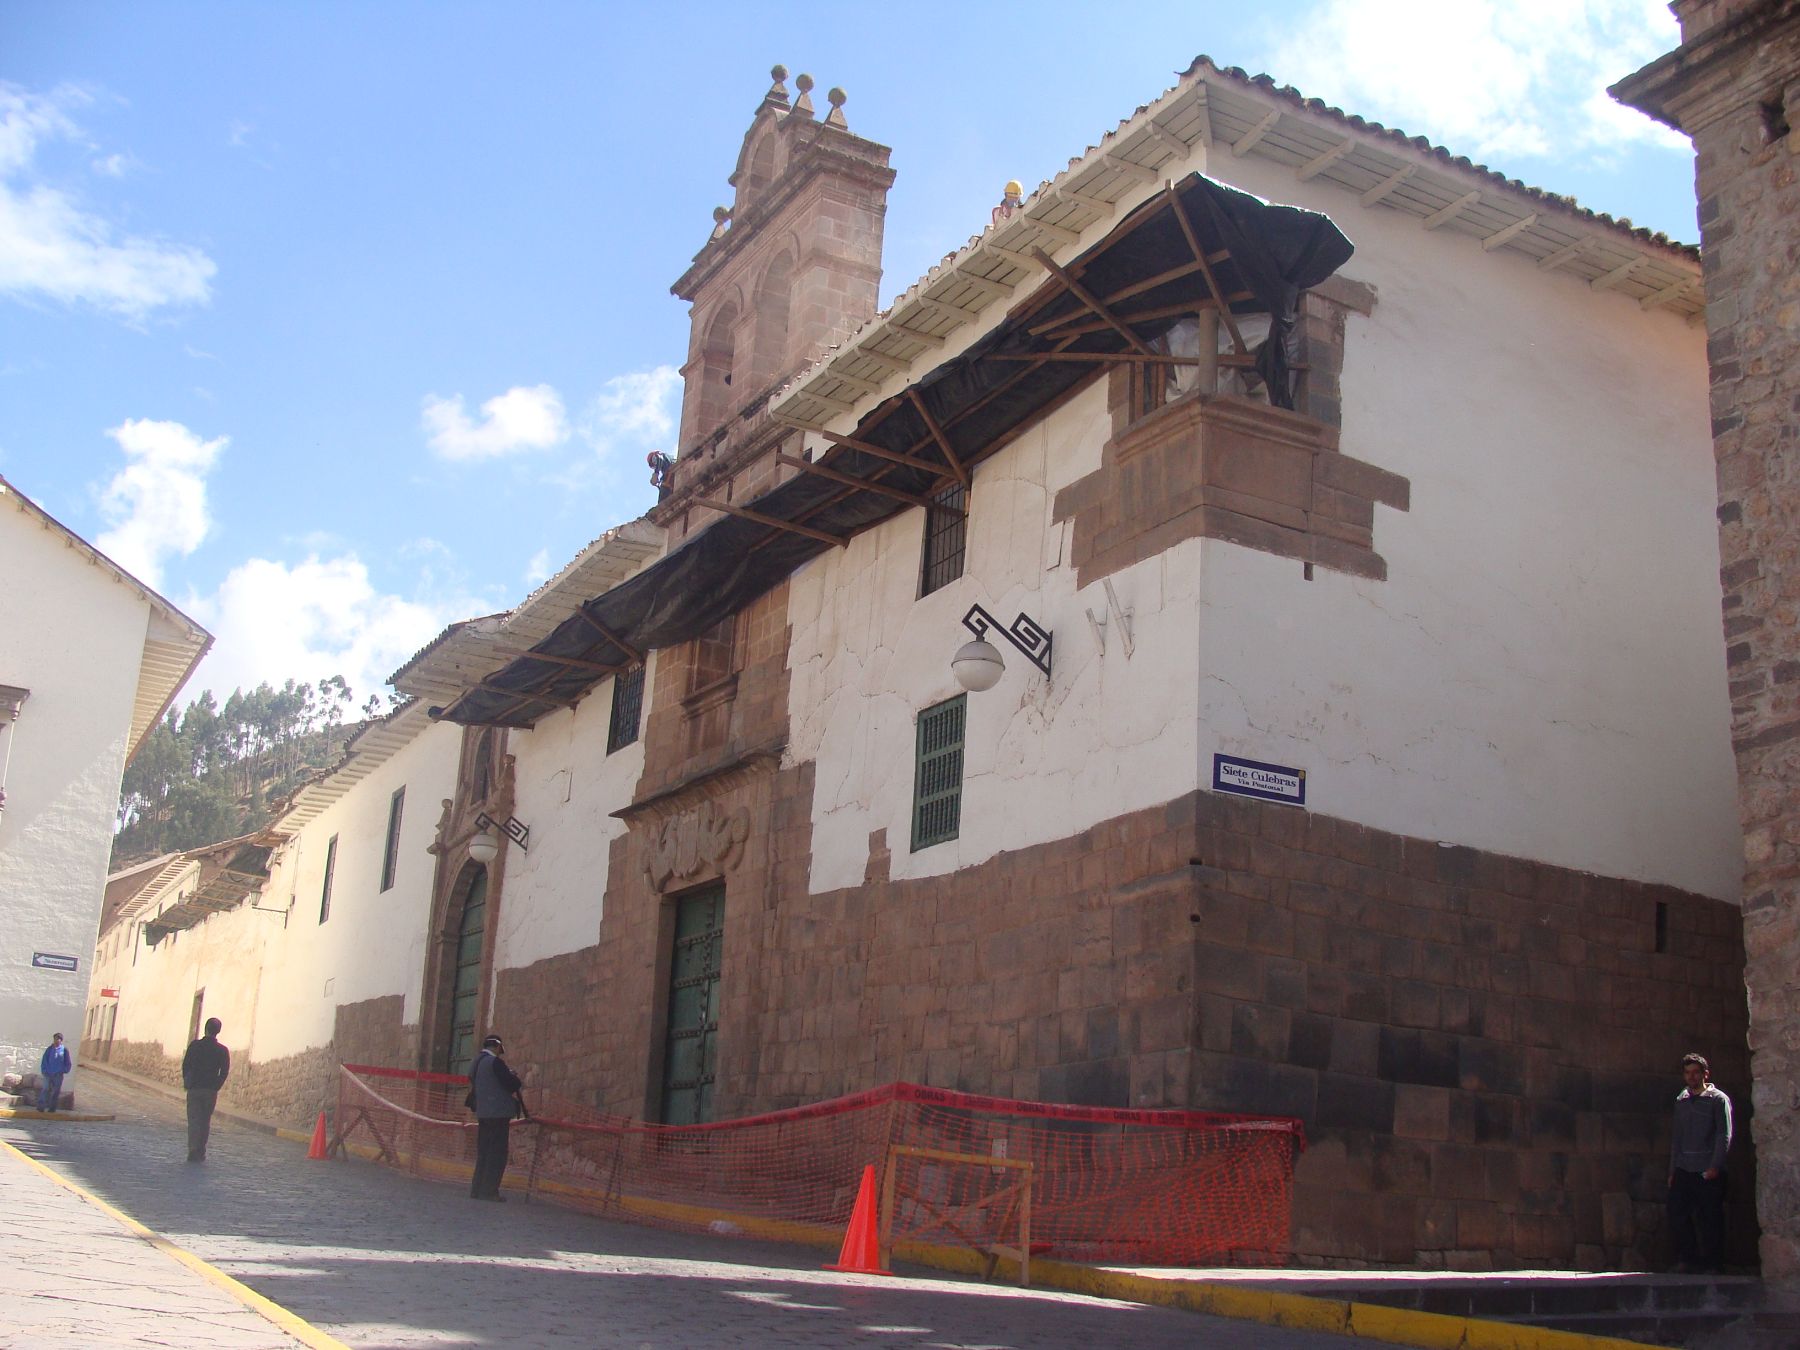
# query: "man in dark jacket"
495 1090
1697 1149
204 1070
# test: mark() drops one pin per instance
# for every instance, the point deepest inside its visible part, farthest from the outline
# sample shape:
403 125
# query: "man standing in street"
1697 1152
204 1070
54 1067
494 1095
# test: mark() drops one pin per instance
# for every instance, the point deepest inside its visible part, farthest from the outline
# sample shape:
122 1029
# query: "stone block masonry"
1483 1049
1734 87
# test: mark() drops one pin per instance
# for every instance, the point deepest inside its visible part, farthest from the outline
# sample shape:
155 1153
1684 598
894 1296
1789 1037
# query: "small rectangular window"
938 774
713 655
627 708
330 868
946 537
390 858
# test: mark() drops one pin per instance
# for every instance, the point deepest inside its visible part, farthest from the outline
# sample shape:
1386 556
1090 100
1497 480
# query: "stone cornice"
1703 80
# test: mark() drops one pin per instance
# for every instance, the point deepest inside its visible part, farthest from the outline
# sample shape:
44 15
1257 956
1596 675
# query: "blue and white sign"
50 961
1253 778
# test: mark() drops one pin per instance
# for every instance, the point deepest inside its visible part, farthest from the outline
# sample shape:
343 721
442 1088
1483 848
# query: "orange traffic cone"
317 1149
862 1248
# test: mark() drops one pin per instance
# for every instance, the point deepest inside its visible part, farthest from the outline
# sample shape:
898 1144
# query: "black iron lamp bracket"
1026 634
512 827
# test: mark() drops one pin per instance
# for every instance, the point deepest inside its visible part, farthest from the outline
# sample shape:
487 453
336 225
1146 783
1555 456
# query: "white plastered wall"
1043 760
1541 675
277 987
74 636
565 788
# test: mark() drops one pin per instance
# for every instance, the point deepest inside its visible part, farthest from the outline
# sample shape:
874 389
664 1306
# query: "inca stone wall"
1734 87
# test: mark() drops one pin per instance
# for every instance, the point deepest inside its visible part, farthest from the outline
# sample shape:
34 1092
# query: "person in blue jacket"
54 1067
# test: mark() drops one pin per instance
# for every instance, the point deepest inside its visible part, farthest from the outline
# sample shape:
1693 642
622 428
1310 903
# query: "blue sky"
338 322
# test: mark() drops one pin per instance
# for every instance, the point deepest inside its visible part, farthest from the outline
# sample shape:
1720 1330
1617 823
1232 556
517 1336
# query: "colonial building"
89 659
1345 732
1734 87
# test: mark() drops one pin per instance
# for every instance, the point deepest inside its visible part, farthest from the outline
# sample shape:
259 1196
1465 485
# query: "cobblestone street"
378 1259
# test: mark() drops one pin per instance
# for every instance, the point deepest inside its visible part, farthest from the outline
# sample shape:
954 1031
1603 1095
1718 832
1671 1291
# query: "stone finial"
721 220
835 118
804 103
777 97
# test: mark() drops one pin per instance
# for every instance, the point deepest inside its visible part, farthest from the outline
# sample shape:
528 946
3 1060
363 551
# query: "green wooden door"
692 1043
465 998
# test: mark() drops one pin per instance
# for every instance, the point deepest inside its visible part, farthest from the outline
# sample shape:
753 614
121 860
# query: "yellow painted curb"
27 1113
1299 1312
292 1323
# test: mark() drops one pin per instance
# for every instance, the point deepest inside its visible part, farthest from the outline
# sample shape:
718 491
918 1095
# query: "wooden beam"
1388 184
519 694
1668 295
1057 232
1201 107
1142 172
835 404
867 447
771 521
1446 214
1082 294
1212 282
608 634
892 364
1170 141
572 662
1567 253
1319 163
1087 326
998 290
1099 205
1244 144
850 480
929 339
1097 358
937 434
1511 232
1012 255
961 313
1607 280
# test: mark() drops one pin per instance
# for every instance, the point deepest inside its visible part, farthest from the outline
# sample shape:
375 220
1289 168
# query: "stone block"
1421 1112
1355 1103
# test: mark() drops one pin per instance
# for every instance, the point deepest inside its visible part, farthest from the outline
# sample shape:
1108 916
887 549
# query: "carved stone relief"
704 839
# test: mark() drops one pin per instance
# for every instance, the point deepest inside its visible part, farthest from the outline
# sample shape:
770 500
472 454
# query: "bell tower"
792 267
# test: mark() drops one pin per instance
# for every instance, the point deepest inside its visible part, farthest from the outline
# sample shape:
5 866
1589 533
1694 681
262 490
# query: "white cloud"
111 166
1520 78
523 418
634 411
321 616
156 505
538 569
50 247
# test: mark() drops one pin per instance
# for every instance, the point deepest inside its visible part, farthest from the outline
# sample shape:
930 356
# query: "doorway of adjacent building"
465 988
689 1049
194 1019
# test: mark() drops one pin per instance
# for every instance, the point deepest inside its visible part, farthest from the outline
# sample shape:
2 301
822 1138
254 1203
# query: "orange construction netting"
1073 1182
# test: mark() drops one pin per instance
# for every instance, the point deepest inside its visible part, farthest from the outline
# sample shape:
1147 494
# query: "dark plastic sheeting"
1277 252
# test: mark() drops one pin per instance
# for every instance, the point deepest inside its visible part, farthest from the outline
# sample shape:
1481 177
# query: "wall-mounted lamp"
978 665
485 847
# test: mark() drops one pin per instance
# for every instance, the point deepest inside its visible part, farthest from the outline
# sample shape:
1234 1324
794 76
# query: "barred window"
627 708
938 774
390 858
946 535
330 868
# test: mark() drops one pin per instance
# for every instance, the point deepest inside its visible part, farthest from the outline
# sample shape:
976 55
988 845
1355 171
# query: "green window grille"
627 708
938 776
946 539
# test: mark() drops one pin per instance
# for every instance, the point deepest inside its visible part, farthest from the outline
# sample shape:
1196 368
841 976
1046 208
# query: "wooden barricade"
1015 1195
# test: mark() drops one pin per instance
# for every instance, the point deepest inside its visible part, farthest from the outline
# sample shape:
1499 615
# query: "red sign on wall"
109 993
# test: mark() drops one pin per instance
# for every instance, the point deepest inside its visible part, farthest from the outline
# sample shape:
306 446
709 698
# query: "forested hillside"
209 772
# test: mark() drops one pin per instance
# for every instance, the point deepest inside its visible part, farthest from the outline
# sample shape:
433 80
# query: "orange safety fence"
1154 1187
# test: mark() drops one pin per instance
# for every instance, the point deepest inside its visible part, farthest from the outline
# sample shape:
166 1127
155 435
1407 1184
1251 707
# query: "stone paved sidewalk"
73 1275
379 1259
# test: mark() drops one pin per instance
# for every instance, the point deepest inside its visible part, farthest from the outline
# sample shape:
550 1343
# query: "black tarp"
978 398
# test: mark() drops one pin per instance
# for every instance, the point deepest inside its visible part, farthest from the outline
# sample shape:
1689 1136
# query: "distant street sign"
1253 778
50 961
109 993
